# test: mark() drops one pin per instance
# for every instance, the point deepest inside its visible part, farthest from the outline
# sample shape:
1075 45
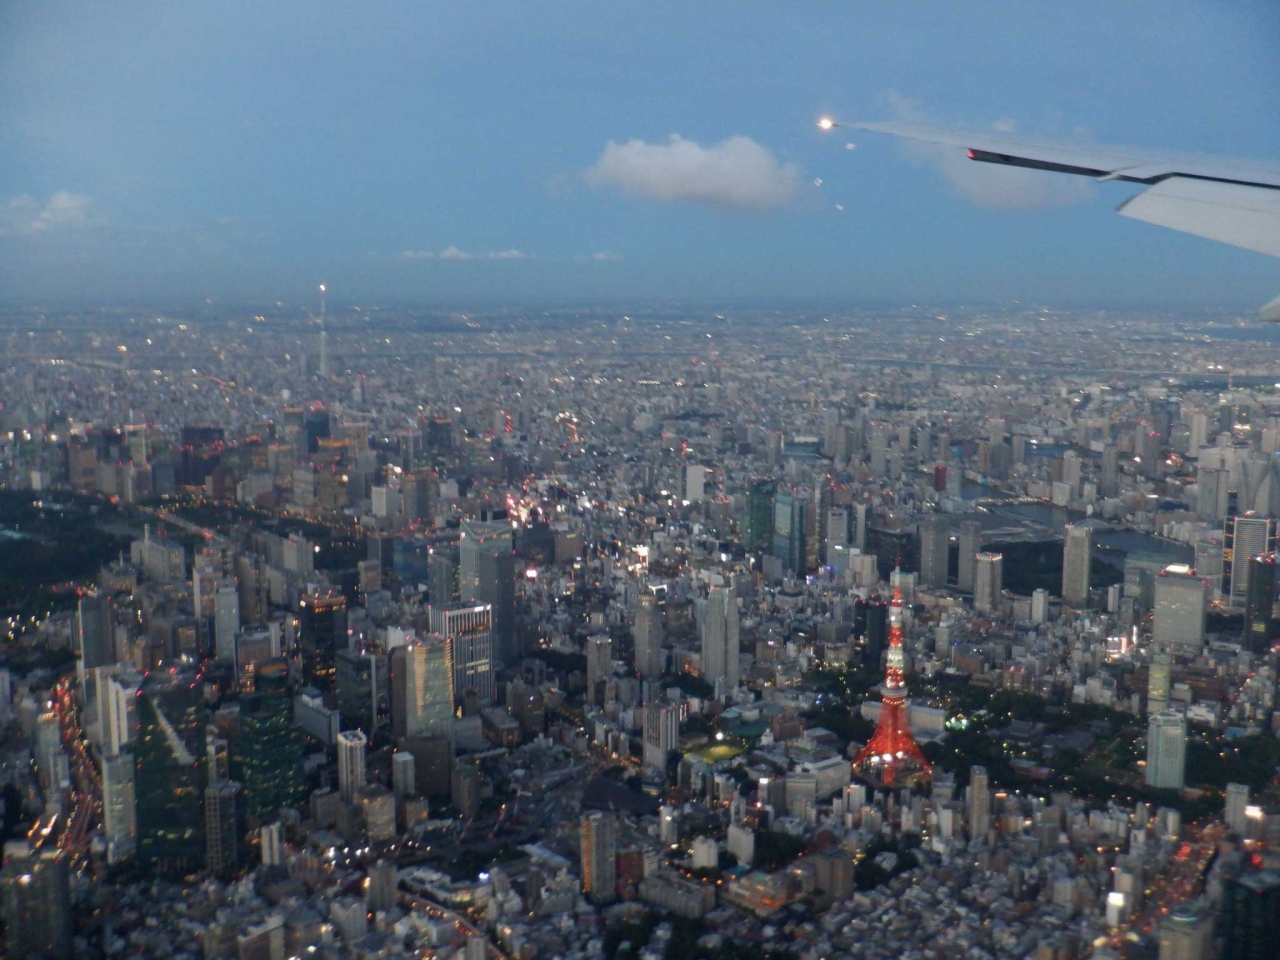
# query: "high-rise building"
442 575
403 778
469 627
661 733
1110 479
168 778
1213 485
695 482
871 623
1186 932
269 755
720 641
378 810
1181 603
790 520
222 826
1167 750
1040 606
351 776
1244 537
599 856
1259 603
466 788
757 524
35 901
969 543
226 622
382 892
647 635
357 676
422 688
117 705
1077 553
979 801
271 844
1250 924
1233 814
94 646
935 545
1158 682
988 582
432 764
322 632
837 533
119 806
599 665
486 575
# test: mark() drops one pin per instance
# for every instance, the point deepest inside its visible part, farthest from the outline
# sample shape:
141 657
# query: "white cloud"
606 256
989 184
24 215
737 172
456 254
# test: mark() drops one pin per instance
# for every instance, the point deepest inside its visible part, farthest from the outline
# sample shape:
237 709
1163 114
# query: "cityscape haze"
481 484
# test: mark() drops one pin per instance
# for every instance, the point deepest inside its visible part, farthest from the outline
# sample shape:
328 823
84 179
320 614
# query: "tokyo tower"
892 755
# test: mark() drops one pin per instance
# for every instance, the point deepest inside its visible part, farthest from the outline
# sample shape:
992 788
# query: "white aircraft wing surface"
1225 199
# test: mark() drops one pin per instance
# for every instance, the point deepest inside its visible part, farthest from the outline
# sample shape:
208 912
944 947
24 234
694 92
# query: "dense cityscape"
353 632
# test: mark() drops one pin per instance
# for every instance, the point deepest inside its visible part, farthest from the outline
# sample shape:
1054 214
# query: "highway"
1181 879
86 782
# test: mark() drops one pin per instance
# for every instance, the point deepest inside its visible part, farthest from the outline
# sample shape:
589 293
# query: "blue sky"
447 154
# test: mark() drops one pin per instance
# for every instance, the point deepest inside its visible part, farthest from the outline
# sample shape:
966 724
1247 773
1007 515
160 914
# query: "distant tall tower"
934 547
979 801
647 635
661 733
1167 750
1245 537
1159 675
486 574
1259 602
423 682
599 854
324 338
599 665
469 627
970 542
720 633
892 756
226 622
1077 553
1181 599
221 826
757 525
988 582
351 777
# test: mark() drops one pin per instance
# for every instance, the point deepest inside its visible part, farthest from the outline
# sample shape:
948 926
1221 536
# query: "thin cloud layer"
737 172
987 184
24 215
454 253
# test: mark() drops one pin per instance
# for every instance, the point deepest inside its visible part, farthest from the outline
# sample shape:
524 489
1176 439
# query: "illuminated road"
1181 880
86 785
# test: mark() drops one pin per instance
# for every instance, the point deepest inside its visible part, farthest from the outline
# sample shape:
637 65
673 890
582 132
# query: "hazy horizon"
509 155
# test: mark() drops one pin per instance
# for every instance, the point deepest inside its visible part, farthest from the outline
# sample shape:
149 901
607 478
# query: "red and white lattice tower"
892 755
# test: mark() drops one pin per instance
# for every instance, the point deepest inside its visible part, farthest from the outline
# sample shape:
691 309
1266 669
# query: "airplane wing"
1229 200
